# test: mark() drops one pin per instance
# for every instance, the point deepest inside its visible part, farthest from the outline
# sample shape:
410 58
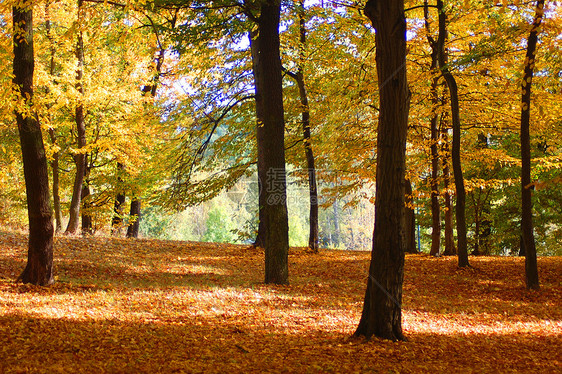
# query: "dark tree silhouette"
39 268
382 313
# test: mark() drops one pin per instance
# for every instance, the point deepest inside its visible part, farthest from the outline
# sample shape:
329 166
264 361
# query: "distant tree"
382 310
79 118
39 268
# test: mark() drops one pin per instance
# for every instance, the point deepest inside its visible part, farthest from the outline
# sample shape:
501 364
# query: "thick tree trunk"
272 145
134 218
382 311
531 269
80 157
39 268
253 36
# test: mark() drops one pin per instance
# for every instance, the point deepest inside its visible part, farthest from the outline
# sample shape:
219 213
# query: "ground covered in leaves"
147 306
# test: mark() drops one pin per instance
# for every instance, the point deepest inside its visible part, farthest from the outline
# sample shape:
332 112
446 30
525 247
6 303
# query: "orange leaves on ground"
155 306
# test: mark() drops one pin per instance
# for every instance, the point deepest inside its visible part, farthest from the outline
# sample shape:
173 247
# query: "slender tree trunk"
39 268
56 183
253 36
79 157
435 209
149 89
382 310
336 238
305 112
531 268
449 237
117 220
410 218
272 144
476 251
434 138
456 150
56 155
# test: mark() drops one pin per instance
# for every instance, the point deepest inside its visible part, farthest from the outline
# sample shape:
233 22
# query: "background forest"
167 125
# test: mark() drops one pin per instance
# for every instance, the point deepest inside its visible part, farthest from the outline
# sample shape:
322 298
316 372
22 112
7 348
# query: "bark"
456 148
80 156
39 268
382 313
87 223
260 136
117 220
410 220
531 269
272 145
134 218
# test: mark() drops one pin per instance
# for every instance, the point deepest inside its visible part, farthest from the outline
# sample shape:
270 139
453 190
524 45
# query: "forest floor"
148 306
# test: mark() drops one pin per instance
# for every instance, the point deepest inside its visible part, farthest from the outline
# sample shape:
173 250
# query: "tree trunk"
312 188
272 145
476 251
39 268
253 36
410 219
531 269
435 209
56 183
80 157
87 224
382 311
55 161
134 218
449 237
117 220
456 150
337 233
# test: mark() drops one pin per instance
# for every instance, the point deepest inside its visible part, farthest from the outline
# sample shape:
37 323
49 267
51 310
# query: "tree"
531 271
39 268
456 147
80 155
273 145
382 310
305 113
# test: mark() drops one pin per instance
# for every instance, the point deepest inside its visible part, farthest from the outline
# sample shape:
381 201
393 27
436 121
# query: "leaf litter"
145 306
